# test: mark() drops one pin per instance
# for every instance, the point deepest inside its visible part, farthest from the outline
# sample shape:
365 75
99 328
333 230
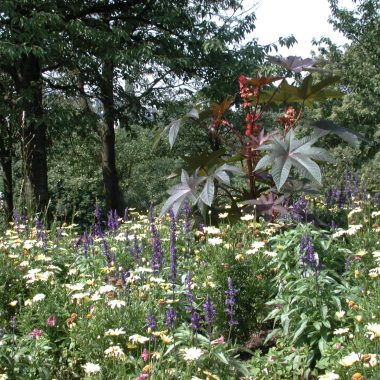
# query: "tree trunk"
6 164
33 135
113 195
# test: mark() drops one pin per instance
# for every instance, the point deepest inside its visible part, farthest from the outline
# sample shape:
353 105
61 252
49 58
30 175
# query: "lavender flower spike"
230 302
173 250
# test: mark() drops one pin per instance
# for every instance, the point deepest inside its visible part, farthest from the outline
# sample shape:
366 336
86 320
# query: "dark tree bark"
6 165
28 80
113 195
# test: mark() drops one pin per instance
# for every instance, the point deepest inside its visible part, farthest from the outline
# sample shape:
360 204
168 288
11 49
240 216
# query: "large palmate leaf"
204 161
282 94
173 127
288 152
262 81
324 127
292 63
307 93
218 109
301 186
181 192
189 187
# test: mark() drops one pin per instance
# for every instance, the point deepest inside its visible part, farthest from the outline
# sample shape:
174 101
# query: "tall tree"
30 41
155 46
358 65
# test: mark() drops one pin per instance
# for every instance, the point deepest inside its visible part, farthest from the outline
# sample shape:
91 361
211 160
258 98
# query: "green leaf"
322 344
173 131
288 152
306 93
324 127
207 194
299 331
317 325
222 357
182 191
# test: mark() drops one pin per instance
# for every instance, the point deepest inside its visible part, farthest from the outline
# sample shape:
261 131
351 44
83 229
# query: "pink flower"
36 333
142 376
218 341
51 321
145 354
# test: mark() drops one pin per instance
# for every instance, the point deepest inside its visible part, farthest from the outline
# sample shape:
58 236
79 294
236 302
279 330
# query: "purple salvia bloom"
195 320
308 257
209 311
16 218
41 233
151 322
136 248
230 302
86 241
107 254
173 250
342 197
124 276
194 316
157 254
97 227
171 316
189 293
299 210
113 220
187 221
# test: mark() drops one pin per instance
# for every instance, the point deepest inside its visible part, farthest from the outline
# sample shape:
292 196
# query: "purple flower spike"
171 316
209 311
173 251
151 322
308 257
230 302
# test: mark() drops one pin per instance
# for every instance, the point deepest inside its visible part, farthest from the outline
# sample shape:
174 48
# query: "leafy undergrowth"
148 298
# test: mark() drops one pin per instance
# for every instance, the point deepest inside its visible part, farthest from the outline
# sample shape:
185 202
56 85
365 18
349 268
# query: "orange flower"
357 376
352 305
71 319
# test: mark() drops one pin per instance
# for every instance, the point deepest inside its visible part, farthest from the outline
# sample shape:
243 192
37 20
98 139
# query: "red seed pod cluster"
252 128
289 118
247 92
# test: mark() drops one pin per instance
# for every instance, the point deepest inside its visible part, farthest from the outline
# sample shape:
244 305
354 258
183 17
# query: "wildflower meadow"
141 297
